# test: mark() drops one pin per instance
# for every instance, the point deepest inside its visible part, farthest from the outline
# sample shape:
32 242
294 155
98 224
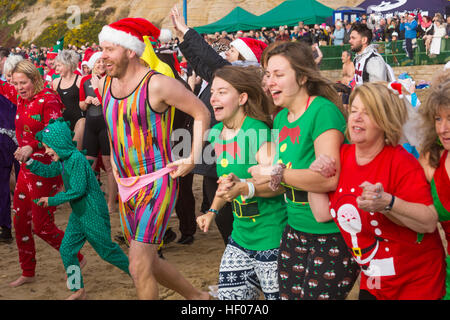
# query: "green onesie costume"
89 219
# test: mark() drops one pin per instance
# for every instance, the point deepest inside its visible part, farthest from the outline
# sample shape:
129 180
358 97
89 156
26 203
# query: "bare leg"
147 269
94 163
22 280
112 185
141 260
79 132
83 262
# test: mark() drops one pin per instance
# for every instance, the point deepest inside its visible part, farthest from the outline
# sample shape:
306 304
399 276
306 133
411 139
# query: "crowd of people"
311 184
384 29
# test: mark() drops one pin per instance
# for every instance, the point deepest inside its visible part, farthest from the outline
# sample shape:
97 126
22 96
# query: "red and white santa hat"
52 55
129 33
93 59
87 55
250 49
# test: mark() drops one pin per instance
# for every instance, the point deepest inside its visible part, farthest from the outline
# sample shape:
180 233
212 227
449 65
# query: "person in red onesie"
383 204
36 105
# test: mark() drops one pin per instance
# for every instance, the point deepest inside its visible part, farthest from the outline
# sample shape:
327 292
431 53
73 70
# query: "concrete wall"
418 73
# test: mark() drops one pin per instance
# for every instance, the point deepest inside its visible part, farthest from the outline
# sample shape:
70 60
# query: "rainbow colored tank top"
140 136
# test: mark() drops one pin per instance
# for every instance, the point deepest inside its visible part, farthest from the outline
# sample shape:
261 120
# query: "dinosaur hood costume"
89 220
82 188
57 135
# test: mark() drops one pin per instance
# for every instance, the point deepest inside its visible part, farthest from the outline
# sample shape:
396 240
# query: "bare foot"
22 280
203 295
78 295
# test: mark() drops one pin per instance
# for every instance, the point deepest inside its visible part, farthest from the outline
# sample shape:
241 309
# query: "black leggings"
96 136
315 266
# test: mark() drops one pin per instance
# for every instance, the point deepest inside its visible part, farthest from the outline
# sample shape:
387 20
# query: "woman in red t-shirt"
383 204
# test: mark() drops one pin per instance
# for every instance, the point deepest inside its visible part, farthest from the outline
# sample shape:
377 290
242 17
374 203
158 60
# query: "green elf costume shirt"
258 222
295 144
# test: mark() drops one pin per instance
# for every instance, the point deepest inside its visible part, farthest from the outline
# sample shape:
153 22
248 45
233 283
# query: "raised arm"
200 55
164 92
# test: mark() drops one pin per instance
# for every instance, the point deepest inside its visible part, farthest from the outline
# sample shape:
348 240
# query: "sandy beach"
198 262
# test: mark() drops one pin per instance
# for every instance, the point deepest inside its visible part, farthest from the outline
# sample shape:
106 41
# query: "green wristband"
213 211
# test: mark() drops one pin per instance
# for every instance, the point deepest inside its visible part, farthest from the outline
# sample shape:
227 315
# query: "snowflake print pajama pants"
315 266
245 273
30 218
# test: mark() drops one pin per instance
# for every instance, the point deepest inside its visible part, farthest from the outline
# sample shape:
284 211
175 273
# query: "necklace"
294 118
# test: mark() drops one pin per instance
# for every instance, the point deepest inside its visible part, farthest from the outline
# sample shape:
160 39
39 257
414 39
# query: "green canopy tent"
234 21
290 12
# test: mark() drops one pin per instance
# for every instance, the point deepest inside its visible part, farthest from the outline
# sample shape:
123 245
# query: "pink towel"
128 187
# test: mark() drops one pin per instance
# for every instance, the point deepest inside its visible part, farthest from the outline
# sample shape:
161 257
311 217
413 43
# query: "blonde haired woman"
36 105
435 157
68 88
383 204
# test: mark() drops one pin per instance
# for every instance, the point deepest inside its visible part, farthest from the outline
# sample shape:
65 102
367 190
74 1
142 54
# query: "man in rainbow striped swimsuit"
138 108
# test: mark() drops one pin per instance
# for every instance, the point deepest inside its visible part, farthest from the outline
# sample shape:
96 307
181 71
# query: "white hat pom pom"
165 35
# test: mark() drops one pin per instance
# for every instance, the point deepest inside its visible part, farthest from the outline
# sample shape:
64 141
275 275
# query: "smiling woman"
383 204
68 88
435 158
240 140
309 124
36 105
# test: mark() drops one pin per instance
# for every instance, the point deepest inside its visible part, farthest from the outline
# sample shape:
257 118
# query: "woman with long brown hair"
241 139
309 124
435 157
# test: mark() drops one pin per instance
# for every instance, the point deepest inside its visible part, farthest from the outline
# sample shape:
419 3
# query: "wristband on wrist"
251 191
213 211
388 208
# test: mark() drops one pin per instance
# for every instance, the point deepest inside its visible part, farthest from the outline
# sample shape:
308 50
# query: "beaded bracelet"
276 176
